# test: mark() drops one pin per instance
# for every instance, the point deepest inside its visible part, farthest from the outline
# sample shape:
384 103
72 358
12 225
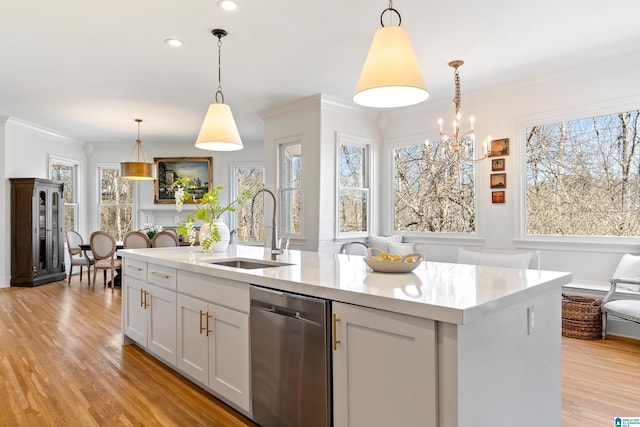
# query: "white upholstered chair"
354 248
165 239
136 240
76 255
103 247
496 259
627 278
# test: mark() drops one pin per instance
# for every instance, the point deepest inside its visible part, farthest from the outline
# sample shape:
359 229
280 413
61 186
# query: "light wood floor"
62 364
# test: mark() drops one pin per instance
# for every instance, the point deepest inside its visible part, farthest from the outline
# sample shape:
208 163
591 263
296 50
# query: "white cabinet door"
134 313
229 355
384 368
161 323
193 351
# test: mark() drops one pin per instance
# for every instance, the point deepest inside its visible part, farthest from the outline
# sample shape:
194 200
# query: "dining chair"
77 256
626 304
164 239
354 248
103 247
136 240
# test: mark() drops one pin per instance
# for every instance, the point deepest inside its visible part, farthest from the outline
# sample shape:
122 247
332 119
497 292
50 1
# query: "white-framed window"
290 188
583 176
247 176
116 206
66 170
353 203
433 188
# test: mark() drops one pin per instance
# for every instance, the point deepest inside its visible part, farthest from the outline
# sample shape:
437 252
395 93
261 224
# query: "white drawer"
135 268
224 292
161 276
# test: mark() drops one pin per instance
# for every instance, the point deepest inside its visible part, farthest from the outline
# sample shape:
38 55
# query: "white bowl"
400 266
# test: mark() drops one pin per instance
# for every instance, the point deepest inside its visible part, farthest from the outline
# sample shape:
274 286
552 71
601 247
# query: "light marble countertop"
452 293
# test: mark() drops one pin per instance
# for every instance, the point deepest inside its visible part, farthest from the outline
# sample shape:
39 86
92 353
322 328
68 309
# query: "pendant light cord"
138 141
219 90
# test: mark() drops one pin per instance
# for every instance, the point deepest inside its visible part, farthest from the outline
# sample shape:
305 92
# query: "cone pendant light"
391 76
219 131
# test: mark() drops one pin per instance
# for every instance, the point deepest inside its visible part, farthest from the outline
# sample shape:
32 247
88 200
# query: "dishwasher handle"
285 312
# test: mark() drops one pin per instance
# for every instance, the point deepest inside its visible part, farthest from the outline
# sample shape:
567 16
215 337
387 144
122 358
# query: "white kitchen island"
445 345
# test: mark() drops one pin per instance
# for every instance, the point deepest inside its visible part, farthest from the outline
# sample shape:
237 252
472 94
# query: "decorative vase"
223 231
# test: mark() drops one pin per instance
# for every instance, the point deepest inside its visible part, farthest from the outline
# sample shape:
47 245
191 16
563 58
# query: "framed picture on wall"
499 147
498 180
497 197
497 165
198 169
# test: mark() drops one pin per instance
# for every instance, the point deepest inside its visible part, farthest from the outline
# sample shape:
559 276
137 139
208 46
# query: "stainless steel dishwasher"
290 359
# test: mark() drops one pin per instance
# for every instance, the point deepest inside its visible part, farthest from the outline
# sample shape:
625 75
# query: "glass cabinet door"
41 248
55 225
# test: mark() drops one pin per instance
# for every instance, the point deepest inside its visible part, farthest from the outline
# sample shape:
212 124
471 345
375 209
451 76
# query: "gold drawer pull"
133 267
209 316
161 275
336 341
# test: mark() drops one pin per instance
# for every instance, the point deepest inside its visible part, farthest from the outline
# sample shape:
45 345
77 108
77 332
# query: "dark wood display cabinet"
37 222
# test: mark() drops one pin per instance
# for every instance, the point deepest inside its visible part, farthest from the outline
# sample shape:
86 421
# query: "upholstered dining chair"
165 239
103 247
624 305
498 259
77 256
354 248
136 240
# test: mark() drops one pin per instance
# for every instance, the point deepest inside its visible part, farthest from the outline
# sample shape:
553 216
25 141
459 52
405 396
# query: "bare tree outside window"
583 177
64 172
353 191
291 188
249 178
116 203
434 189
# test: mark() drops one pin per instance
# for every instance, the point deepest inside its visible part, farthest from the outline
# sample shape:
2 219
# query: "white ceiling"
88 68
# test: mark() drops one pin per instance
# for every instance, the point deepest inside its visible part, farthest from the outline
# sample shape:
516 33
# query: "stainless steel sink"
247 264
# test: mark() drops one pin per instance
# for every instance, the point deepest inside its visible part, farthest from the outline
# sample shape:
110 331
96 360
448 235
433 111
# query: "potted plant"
214 234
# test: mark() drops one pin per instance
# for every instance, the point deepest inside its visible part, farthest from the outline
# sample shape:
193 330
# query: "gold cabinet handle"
133 267
161 275
145 299
209 316
141 302
336 341
201 328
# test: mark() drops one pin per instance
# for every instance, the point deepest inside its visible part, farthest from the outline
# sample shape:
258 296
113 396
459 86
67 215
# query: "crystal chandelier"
459 144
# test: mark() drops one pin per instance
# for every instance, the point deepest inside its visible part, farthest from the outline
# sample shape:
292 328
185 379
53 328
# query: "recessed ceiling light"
173 42
228 5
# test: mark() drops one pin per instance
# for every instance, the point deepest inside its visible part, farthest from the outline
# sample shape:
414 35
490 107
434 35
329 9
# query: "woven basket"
581 317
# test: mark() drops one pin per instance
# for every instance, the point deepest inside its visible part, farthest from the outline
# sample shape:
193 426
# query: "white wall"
113 153
315 120
597 88
299 120
26 153
25 149
500 112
